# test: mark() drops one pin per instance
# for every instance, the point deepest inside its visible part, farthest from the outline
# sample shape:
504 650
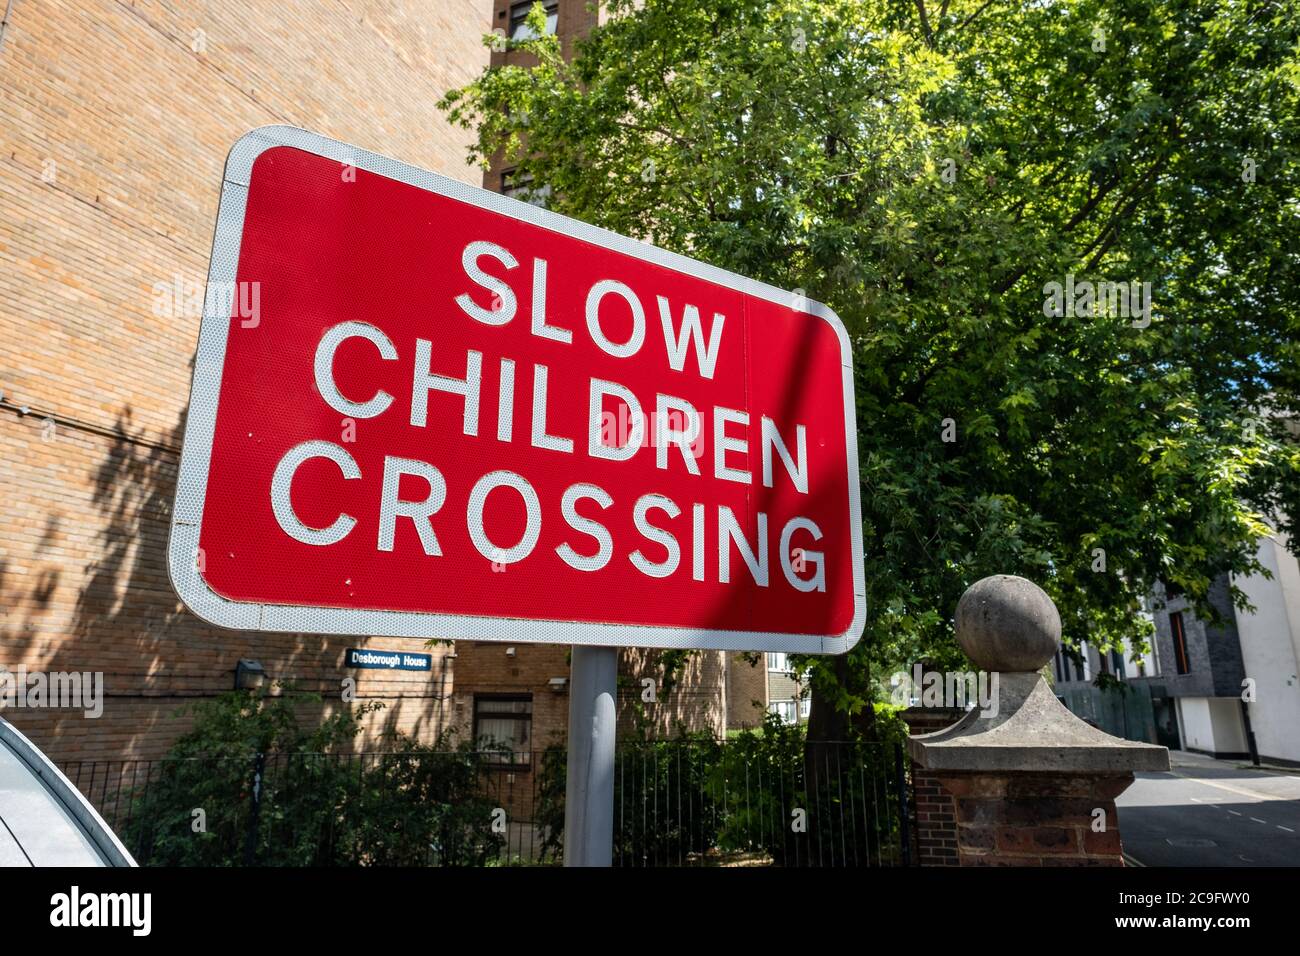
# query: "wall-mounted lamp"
249 675
510 652
558 684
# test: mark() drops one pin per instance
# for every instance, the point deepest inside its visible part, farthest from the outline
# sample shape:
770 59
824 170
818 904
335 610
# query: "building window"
805 707
521 187
1117 664
1180 642
785 709
519 29
503 726
778 663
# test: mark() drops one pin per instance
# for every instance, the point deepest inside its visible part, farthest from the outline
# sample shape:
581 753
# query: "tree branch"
964 23
925 22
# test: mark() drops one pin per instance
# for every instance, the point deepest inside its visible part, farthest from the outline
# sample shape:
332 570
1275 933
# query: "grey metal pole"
589 786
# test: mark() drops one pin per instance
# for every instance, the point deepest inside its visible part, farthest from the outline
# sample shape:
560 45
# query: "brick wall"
114 127
746 692
785 686
695 700
484 668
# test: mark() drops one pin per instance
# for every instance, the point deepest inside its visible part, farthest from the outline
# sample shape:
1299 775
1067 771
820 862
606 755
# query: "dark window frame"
501 763
522 189
1177 628
1117 664
518 12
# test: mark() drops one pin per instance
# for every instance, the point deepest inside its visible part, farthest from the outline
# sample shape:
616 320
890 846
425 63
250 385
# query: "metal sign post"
589 786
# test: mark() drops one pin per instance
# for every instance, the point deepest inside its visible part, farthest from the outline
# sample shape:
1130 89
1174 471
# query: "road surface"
1208 812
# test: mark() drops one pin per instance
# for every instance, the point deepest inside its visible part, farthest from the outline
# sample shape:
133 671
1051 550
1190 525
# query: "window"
1117 664
778 663
805 707
1180 642
785 709
519 15
521 187
504 725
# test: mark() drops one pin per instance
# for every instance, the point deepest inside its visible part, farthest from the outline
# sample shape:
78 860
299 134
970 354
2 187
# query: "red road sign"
426 410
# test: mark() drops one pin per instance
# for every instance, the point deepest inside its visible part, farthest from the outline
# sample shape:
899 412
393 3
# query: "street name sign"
370 658
450 414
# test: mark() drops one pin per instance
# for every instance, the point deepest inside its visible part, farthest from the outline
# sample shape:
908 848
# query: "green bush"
248 784
664 809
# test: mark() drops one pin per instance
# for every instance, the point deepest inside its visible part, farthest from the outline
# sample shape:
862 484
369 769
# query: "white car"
44 819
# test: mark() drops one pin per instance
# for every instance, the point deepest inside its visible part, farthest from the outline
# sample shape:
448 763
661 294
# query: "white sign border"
209 362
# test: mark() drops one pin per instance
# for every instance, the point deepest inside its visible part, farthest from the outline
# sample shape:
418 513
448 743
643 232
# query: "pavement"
1208 812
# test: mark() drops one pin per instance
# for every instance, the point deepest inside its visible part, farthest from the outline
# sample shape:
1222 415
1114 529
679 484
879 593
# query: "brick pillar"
935 821
1030 819
1023 782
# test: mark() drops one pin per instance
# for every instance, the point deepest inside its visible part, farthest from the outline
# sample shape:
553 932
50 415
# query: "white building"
1204 687
1270 651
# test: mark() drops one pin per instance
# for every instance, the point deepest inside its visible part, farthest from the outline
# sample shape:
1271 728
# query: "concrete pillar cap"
1010 628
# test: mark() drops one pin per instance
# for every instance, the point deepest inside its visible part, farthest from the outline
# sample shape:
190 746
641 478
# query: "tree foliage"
927 169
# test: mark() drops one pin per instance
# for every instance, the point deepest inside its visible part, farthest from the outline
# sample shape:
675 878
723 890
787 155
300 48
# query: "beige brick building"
115 123
114 127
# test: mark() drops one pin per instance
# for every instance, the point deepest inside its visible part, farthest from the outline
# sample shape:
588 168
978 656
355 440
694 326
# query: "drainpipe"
1250 734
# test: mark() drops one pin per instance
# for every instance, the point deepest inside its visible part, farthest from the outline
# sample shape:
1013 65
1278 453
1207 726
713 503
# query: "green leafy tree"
928 170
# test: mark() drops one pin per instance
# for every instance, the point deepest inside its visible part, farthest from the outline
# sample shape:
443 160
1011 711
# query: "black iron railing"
677 803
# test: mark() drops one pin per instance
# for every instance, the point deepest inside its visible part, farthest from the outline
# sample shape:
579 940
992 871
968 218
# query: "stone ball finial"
1007 623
